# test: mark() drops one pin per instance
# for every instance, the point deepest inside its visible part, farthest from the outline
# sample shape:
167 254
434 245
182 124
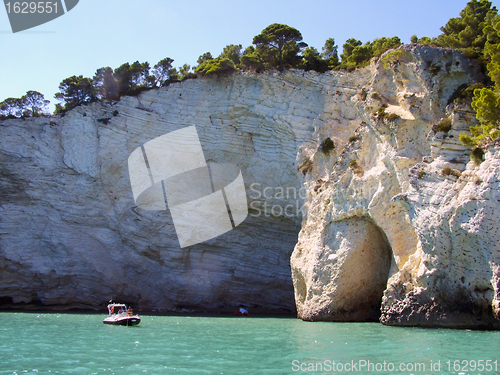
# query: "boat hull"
124 321
239 313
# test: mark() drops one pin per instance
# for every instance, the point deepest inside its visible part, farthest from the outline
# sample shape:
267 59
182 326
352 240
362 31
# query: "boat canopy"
116 308
117 305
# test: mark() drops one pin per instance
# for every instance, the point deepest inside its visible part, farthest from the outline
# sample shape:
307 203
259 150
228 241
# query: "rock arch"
349 273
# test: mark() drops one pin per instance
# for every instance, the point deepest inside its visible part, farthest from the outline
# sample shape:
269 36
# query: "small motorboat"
120 315
241 312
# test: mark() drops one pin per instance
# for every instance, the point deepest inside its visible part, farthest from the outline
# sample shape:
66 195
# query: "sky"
99 33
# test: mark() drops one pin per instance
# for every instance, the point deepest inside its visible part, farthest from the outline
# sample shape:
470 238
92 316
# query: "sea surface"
64 343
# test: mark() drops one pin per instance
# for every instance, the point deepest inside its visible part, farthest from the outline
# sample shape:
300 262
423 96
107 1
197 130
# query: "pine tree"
278 43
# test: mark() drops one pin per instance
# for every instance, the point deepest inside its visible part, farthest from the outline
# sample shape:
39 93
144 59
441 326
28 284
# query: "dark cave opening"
364 272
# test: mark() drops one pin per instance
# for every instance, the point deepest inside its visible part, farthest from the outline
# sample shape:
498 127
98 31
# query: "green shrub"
443 126
391 58
327 145
488 114
421 173
393 117
375 95
356 168
353 138
381 113
477 155
306 166
363 94
447 171
467 140
494 135
218 67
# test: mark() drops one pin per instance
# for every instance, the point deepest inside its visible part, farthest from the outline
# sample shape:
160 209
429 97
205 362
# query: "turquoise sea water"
52 343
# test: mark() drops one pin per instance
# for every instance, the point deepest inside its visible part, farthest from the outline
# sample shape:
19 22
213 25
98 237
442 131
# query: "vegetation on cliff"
486 100
33 104
475 33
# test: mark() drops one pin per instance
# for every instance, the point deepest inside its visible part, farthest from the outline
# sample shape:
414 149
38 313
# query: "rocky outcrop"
384 233
400 224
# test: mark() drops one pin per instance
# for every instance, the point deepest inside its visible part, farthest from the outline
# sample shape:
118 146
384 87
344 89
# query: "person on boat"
129 311
243 311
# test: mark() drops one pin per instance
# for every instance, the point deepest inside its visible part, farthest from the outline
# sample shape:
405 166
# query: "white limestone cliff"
384 233
387 234
72 235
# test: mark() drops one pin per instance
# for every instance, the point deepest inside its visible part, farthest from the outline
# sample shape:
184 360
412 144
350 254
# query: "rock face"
399 223
72 235
384 233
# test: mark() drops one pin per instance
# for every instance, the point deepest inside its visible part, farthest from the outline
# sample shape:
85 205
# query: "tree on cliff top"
32 104
232 52
74 91
476 33
486 101
278 41
205 57
133 78
331 53
10 108
161 71
251 59
216 67
185 72
357 54
313 60
467 33
105 85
